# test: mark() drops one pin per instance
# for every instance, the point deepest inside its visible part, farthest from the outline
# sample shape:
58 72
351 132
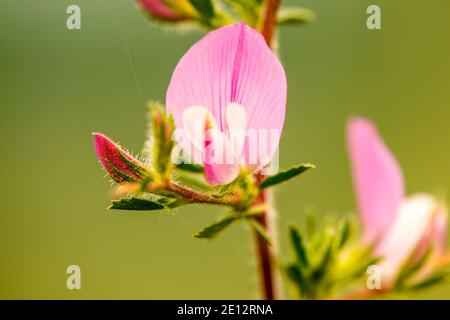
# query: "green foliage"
259 229
327 261
138 204
285 175
416 275
190 167
249 11
214 229
294 16
249 216
204 7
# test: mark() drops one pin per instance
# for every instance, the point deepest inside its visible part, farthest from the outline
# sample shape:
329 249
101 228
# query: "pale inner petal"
414 217
196 121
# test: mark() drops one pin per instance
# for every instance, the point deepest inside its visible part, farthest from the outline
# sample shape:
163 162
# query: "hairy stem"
265 251
270 20
198 197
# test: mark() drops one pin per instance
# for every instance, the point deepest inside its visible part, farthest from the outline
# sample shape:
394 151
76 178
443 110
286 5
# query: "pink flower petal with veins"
377 178
231 65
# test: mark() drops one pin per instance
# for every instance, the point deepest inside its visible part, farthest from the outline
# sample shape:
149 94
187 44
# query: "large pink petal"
230 64
377 178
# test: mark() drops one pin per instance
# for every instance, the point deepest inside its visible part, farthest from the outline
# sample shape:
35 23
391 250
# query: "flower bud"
120 165
161 9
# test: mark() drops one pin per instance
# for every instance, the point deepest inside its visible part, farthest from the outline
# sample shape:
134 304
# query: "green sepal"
285 175
161 137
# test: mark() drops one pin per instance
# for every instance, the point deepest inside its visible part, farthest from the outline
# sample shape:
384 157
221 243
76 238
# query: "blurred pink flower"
160 9
120 165
229 82
400 227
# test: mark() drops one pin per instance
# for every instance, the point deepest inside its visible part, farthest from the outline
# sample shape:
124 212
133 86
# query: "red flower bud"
120 165
159 9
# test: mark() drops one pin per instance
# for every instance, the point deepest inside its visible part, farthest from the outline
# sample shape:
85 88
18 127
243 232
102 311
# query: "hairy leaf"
285 175
214 229
140 204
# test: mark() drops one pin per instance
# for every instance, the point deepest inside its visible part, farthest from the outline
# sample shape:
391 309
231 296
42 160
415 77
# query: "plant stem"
264 250
270 20
198 197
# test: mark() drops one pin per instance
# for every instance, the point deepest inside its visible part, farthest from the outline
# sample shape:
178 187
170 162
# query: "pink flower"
228 89
120 165
400 227
160 9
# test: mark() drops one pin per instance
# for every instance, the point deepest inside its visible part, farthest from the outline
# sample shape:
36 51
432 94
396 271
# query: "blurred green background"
57 86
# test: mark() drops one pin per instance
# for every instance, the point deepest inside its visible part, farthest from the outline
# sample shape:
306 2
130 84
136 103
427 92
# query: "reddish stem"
270 20
265 251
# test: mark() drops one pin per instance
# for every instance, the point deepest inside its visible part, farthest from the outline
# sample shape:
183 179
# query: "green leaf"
298 245
345 232
191 167
434 279
259 229
297 277
213 230
247 10
140 204
204 7
294 16
285 175
411 267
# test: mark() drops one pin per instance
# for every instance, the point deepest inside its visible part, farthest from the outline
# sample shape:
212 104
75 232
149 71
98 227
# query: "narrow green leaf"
411 267
345 233
285 175
296 276
298 245
259 229
191 167
434 279
204 7
294 16
132 203
211 231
